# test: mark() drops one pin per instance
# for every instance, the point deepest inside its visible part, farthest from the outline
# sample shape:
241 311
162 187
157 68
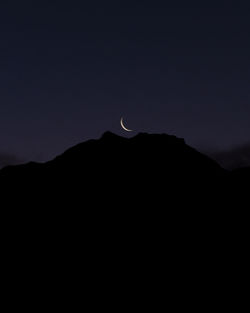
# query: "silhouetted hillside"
147 171
146 165
145 161
119 210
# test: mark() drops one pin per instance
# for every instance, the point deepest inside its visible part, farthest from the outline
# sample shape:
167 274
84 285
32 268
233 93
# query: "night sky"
69 71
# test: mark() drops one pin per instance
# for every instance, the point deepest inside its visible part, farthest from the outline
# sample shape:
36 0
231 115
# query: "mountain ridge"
109 140
151 163
149 197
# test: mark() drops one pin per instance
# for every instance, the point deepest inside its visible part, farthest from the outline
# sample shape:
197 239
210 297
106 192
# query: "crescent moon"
122 125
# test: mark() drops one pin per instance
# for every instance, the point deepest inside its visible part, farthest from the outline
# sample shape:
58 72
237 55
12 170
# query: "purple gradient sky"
70 70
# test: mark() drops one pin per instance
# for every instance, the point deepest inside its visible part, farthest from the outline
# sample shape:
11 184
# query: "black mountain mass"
129 212
146 168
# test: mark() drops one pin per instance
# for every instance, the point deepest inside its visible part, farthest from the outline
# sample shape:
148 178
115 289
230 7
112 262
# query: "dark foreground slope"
127 216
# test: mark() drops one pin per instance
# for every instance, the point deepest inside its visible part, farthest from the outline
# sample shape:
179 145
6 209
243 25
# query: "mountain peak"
143 135
110 135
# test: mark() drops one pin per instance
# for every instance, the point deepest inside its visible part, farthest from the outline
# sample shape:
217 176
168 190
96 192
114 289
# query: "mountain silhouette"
146 152
142 166
146 165
114 211
139 168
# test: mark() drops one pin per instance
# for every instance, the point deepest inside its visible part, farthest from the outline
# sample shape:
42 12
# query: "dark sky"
69 70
